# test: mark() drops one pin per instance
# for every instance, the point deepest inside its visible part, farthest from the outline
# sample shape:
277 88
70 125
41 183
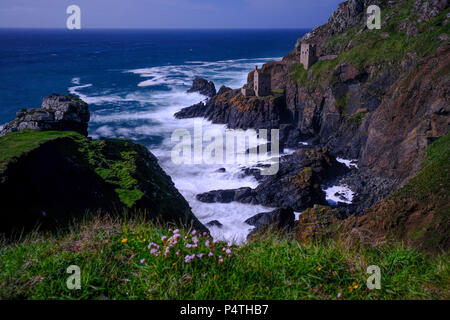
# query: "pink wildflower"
163 238
210 254
166 252
194 232
142 260
153 245
207 243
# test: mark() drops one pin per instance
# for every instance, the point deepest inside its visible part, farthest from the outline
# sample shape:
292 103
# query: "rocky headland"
380 97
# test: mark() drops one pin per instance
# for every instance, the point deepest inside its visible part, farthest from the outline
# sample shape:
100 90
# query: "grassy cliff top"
114 160
16 144
116 263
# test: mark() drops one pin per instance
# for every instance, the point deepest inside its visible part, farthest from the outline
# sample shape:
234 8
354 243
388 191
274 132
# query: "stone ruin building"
260 87
307 54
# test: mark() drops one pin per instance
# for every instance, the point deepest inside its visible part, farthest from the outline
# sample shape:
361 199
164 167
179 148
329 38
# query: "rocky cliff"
378 96
49 176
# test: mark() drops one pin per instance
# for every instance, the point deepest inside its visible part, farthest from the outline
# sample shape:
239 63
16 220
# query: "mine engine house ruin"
261 85
307 54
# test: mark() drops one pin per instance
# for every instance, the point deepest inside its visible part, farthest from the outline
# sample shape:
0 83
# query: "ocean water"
134 81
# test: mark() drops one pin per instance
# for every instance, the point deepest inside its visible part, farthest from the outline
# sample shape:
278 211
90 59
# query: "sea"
134 81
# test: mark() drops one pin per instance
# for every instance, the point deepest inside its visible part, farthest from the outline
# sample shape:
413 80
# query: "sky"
191 14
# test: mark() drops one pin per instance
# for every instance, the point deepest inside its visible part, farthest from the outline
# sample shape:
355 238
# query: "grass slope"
14 145
110 255
384 48
115 160
418 213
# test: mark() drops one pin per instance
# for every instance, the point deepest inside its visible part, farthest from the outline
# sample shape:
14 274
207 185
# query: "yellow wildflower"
319 268
124 240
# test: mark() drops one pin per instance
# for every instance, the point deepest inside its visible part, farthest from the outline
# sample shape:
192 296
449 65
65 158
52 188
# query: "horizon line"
157 28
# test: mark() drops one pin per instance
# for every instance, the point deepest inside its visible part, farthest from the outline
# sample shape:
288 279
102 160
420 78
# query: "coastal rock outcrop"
381 106
382 111
203 87
297 184
281 219
58 112
52 177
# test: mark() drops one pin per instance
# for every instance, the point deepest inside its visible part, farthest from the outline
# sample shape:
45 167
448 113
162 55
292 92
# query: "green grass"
13 145
116 163
115 160
358 117
419 211
434 176
341 104
270 267
370 48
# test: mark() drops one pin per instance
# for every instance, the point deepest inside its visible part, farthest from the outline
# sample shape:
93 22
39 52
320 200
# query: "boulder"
203 87
214 223
58 112
281 219
226 196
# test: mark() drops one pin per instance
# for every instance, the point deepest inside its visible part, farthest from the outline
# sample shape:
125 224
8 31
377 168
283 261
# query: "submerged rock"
214 223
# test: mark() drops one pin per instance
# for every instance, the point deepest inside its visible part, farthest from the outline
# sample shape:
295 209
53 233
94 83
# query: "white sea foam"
346 194
155 116
234 71
349 163
76 80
